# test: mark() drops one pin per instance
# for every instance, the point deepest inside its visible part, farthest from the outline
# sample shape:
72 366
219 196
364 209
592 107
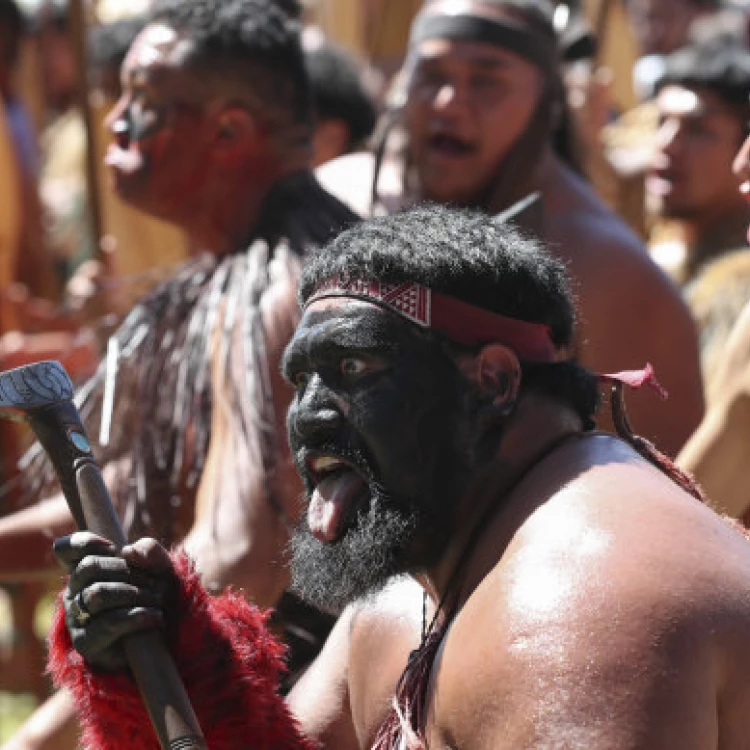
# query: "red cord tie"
636 379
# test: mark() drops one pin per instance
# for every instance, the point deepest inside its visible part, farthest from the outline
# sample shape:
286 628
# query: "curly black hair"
255 42
468 255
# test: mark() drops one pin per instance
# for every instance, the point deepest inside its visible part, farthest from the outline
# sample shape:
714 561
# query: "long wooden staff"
79 40
601 25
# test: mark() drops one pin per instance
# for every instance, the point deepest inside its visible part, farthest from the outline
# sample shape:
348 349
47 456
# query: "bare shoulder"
619 617
617 281
582 229
627 309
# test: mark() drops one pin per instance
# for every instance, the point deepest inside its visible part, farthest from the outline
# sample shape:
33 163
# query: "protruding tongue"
331 502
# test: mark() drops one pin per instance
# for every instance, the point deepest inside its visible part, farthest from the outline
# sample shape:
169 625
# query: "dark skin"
616 606
375 391
412 474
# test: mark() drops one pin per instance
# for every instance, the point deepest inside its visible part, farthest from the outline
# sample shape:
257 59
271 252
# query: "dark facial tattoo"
148 112
388 402
136 121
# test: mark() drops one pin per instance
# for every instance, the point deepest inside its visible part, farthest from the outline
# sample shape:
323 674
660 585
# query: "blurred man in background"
483 124
703 100
212 133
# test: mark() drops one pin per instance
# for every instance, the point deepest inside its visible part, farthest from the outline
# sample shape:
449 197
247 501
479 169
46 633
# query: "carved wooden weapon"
41 394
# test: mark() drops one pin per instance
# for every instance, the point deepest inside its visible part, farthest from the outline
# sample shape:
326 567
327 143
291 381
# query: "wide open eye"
351 366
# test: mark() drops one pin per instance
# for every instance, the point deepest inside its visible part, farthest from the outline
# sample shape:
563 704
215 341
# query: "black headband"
501 33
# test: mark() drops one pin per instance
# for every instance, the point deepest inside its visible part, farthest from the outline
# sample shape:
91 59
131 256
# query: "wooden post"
79 40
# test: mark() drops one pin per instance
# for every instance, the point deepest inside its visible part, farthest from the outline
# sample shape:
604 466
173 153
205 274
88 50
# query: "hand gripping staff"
42 395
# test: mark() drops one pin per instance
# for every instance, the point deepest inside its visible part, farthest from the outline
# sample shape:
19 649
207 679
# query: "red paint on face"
162 134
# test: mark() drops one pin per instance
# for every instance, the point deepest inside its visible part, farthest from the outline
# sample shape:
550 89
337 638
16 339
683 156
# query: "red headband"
459 321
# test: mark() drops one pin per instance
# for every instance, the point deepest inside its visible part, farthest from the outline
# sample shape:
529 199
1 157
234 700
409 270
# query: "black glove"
110 596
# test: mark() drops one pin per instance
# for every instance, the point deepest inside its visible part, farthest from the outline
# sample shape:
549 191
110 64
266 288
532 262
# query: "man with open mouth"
483 122
566 587
212 133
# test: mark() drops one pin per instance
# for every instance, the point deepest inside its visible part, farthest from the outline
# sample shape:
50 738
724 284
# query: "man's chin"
679 210
332 575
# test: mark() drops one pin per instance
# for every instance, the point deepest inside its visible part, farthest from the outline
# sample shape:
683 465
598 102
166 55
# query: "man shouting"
577 593
482 124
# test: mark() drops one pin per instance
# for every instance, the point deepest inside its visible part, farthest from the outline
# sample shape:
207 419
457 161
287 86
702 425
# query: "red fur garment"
230 664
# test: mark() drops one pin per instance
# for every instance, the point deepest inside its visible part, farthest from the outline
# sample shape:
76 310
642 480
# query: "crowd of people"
447 370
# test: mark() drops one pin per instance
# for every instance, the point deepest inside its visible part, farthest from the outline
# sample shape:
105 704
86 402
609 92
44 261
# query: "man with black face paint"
212 133
484 122
576 591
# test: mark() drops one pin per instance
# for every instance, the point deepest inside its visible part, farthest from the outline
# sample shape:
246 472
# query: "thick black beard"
330 576
389 537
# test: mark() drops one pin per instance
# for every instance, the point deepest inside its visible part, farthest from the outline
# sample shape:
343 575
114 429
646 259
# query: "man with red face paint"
484 122
576 592
212 133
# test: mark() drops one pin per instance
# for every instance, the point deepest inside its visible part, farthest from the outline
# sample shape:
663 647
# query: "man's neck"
229 222
500 498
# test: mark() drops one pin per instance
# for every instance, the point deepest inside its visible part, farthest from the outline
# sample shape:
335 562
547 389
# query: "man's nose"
316 414
669 138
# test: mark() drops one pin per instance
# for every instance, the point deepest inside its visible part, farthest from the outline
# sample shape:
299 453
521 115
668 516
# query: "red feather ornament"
228 659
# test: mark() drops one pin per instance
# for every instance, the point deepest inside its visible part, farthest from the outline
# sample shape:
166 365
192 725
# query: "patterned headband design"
461 322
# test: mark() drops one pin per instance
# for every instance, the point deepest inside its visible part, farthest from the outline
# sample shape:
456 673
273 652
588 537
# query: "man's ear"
498 374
